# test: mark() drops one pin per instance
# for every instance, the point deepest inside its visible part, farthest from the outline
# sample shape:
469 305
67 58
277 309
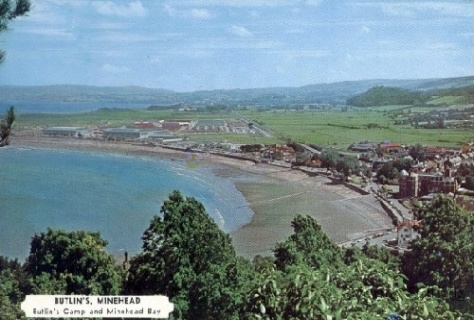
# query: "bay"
116 195
66 107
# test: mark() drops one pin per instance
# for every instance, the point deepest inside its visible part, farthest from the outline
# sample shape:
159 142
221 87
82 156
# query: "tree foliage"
72 263
13 287
188 258
308 245
360 286
6 127
417 152
383 96
443 254
387 171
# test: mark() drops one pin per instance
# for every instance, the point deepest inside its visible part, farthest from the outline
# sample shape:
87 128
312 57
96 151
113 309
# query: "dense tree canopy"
188 258
308 245
417 152
383 96
443 254
72 262
312 280
13 287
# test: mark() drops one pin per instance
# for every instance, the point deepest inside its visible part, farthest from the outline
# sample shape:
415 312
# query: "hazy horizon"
195 45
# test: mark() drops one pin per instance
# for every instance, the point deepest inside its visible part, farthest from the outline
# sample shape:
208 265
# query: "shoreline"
277 196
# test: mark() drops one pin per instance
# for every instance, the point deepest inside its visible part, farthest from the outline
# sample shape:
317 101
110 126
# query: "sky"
188 45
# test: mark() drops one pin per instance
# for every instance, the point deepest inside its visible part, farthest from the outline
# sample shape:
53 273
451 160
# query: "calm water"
66 107
114 194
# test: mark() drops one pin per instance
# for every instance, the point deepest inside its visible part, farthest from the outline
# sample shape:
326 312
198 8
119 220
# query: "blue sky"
188 45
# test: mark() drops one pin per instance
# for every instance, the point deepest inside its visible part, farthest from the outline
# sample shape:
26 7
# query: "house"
407 231
170 125
390 147
419 185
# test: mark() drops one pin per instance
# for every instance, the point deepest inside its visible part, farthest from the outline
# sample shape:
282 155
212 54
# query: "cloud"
366 29
410 9
200 14
125 37
244 3
191 13
314 2
240 31
114 69
109 8
51 32
154 59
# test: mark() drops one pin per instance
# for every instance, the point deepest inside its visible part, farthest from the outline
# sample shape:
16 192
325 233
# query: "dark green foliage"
417 152
329 159
387 171
251 148
443 255
403 164
348 166
13 287
312 282
466 91
377 253
72 263
308 245
384 96
6 127
188 258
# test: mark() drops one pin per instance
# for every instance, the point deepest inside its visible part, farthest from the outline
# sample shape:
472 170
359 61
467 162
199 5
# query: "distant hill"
384 96
333 93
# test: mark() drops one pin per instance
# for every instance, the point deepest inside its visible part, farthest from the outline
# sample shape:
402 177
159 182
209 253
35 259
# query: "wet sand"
276 195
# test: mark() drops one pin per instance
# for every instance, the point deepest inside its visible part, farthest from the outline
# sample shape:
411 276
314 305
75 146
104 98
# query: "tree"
360 287
6 126
10 10
329 159
188 258
72 263
442 255
348 166
13 287
308 244
387 171
417 152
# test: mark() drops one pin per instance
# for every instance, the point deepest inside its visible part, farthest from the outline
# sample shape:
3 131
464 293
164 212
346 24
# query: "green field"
341 129
115 117
449 100
325 128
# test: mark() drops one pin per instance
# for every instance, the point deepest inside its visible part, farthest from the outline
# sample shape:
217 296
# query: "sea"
66 107
114 194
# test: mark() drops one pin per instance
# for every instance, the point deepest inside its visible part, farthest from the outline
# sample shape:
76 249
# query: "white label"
62 306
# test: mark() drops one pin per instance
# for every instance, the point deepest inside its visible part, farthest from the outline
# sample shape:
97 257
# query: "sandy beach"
275 196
